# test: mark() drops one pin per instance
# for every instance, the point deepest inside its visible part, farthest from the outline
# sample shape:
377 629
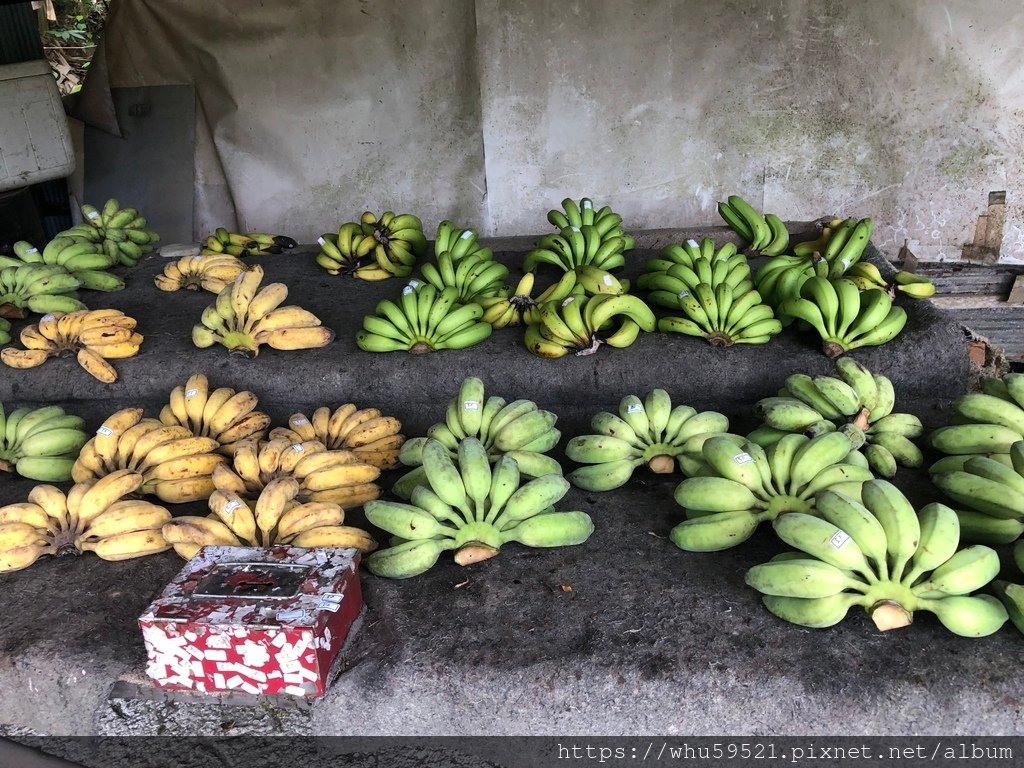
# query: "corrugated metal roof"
19 34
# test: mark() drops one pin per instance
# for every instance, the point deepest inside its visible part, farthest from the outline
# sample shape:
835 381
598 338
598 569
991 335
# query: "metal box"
253 620
35 141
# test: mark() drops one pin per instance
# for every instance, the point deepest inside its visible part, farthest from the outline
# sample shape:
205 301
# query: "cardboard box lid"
276 587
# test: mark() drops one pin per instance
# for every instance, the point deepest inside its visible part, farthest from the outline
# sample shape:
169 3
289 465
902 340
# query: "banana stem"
888 614
861 421
661 464
6 466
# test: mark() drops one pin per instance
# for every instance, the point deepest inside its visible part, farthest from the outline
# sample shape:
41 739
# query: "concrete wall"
490 112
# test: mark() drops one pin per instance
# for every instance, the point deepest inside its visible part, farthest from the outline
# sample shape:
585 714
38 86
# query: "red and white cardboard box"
260 621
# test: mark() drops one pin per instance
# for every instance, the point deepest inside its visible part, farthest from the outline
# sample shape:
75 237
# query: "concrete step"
411 386
624 634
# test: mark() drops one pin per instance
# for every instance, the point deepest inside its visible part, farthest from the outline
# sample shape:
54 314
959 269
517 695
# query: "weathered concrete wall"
909 111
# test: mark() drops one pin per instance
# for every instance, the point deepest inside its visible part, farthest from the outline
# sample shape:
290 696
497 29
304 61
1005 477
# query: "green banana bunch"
576 245
987 422
423 320
766 234
473 510
583 213
580 325
5 331
40 288
687 254
718 300
748 485
815 404
476 276
649 431
780 278
240 244
665 280
348 250
844 318
518 429
458 243
399 242
40 444
992 492
122 233
883 556
85 260
1012 595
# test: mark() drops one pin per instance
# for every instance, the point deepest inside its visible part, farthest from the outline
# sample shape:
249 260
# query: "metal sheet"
152 167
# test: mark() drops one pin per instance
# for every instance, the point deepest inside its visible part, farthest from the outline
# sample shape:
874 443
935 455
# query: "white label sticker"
471 405
587 204
607 280
232 505
566 302
693 243
407 290
575 229
32 250
93 214
47 319
839 538
197 258
683 294
300 421
634 407
320 240
105 431
743 458
466 234
298 448
190 393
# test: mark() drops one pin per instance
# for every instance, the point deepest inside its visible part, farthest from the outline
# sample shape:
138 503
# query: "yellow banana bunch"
246 244
223 414
340 477
371 436
275 517
210 271
98 517
174 464
399 242
244 317
348 250
93 336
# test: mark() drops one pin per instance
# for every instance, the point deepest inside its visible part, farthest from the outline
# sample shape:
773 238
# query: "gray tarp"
491 112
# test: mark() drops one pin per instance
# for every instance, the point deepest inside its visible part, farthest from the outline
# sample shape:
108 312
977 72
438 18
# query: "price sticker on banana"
634 408
301 421
321 241
232 505
471 405
47 319
298 448
190 393
105 431
32 250
93 214
587 204
466 234
683 294
566 302
839 538
575 229
607 279
743 458
693 243
412 286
